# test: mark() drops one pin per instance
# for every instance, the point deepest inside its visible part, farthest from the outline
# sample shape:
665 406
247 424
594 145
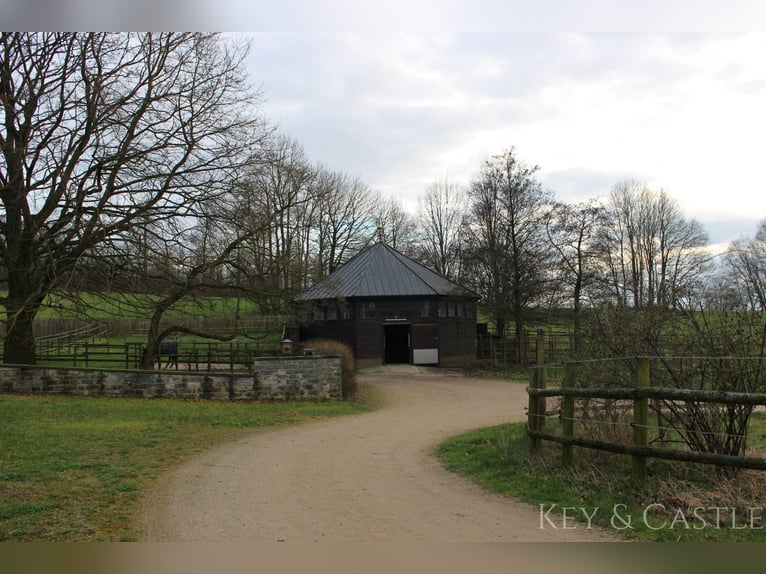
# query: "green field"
106 306
111 305
74 468
108 330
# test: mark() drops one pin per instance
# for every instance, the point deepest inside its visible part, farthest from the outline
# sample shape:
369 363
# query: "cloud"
722 231
680 112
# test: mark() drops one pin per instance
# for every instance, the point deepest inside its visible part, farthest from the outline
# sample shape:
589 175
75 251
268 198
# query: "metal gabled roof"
381 271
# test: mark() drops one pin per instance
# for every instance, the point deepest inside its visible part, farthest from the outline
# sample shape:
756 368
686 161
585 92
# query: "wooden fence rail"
193 356
639 395
511 350
699 395
120 325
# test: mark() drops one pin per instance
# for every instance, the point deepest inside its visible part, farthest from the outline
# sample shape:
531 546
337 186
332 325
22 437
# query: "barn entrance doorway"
396 341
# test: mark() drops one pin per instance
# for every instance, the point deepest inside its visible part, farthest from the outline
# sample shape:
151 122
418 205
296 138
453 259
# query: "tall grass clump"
348 363
682 501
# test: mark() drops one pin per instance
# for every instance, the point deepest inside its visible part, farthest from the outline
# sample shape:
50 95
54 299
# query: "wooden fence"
79 343
122 326
513 350
639 395
192 356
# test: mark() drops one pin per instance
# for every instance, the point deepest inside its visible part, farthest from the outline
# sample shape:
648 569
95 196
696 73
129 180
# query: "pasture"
110 332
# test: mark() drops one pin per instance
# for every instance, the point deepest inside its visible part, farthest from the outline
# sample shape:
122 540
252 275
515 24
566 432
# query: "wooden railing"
514 350
192 356
639 396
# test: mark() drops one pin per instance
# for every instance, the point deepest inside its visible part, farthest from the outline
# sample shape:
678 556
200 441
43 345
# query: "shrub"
348 364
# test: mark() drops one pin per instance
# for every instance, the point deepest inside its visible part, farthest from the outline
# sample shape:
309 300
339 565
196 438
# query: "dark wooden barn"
391 309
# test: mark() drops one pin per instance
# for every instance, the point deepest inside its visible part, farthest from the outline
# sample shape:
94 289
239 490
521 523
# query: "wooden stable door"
425 345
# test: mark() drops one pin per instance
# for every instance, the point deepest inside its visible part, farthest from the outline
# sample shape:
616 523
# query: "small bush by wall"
348 364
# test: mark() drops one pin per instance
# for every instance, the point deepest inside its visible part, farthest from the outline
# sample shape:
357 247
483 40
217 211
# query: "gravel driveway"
365 477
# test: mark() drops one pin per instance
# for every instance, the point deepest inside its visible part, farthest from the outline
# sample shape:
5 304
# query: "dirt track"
361 478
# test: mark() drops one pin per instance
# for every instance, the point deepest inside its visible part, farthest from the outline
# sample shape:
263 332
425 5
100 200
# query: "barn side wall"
273 378
363 329
457 342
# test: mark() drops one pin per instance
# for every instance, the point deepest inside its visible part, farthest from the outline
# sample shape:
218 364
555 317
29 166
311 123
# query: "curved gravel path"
365 477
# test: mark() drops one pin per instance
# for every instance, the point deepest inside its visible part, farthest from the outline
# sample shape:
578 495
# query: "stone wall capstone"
314 378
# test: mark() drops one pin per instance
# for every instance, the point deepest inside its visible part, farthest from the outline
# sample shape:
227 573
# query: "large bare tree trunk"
20 339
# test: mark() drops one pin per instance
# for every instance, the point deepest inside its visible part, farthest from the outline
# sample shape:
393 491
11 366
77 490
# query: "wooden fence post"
567 414
537 405
534 442
541 384
640 422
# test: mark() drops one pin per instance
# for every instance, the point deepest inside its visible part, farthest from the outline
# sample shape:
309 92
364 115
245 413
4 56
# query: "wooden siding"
455 321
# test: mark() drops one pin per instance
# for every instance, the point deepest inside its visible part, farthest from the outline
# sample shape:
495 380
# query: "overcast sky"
681 112
667 92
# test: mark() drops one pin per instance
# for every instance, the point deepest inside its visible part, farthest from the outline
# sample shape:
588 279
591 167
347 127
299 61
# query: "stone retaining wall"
272 378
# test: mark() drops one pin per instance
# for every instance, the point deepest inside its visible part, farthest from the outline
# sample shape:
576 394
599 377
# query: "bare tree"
102 133
345 219
652 255
745 261
199 260
724 331
509 250
397 225
713 338
280 185
319 218
442 213
573 230
184 261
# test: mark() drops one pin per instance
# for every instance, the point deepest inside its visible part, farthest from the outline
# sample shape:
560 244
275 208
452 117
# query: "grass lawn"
683 502
74 468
